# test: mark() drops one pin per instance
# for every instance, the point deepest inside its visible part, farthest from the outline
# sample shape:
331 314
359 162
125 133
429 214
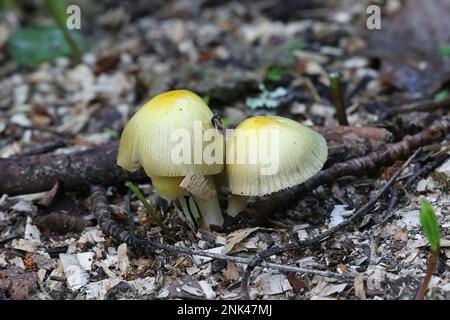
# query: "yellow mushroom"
266 154
167 138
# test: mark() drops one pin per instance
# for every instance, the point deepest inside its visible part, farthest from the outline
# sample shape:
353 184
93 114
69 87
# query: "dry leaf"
29 263
296 283
18 283
235 238
360 293
232 272
199 185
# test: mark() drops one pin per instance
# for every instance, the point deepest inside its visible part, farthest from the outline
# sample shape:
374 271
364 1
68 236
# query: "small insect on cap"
151 135
268 154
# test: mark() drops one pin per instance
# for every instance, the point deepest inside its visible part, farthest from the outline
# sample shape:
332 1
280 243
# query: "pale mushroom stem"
209 211
236 204
189 211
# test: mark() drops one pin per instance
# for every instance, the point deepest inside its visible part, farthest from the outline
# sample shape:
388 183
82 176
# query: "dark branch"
21 175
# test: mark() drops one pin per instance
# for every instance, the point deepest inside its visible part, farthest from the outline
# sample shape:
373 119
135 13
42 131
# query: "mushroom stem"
209 211
189 210
236 204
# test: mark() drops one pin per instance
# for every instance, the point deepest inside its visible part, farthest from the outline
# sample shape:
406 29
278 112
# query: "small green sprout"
444 51
147 205
430 227
441 95
276 73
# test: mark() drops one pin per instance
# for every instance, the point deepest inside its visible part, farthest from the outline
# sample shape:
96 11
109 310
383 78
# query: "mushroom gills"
196 211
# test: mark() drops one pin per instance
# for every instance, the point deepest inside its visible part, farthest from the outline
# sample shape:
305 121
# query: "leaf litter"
230 51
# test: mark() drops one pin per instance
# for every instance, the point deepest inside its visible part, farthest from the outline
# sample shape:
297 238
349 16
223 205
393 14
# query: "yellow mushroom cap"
295 151
169 187
147 138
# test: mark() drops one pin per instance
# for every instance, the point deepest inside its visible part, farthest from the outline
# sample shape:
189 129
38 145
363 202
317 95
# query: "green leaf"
57 9
112 133
441 95
430 225
147 205
34 45
8 5
206 98
444 51
227 122
275 73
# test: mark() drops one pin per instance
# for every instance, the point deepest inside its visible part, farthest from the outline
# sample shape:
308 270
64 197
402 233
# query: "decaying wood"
98 166
77 170
351 142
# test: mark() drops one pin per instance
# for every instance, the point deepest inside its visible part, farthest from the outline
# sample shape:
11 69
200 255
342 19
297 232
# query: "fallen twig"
393 200
76 170
422 106
42 148
101 211
301 244
120 234
426 169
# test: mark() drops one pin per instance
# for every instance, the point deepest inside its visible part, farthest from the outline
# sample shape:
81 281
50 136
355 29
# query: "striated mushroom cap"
268 154
147 138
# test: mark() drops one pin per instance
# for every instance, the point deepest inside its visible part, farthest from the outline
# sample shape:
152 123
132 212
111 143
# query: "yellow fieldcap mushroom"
266 154
170 137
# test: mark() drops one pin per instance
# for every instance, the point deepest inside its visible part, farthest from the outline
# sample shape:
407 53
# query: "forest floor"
51 246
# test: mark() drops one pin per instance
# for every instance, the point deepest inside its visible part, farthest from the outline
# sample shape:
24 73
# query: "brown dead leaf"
29 263
107 63
18 283
232 273
296 283
235 238
342 268
40 116
48 197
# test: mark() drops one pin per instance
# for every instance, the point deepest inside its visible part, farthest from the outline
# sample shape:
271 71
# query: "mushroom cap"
147 138
296 152
169 187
